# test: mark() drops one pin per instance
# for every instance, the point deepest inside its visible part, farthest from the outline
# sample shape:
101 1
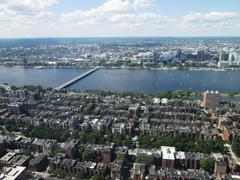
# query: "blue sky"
169 7
102 18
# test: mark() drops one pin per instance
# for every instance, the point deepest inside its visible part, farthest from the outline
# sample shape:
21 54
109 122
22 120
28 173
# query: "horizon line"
101 37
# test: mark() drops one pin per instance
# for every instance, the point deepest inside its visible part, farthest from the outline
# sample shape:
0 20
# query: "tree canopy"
207 165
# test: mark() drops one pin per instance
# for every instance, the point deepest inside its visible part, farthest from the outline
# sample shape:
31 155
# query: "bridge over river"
72 81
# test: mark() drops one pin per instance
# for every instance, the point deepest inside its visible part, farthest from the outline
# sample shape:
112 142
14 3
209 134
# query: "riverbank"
235 94
116 67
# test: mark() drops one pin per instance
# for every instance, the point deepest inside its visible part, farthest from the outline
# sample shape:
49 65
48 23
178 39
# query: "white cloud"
122 6
25 12
119 13
143 19
110 7
112 18
209 17
26 7
210 23
23 16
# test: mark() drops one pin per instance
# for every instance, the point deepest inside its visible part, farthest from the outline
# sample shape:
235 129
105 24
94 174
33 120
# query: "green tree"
127 141
107 177
146 141
26 152
122 107
11 125
132 159
118 139
44 132
80 175
83 137
183 143
88 156
58 173
97 177
145 159
120 157
236 146
207 164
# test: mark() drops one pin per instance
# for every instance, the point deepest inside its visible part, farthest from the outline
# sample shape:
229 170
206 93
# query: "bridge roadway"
70 82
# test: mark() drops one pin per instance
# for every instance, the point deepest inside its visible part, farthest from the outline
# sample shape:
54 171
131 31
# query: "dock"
72 81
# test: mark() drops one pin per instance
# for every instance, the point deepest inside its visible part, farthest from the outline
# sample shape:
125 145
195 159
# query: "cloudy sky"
103 18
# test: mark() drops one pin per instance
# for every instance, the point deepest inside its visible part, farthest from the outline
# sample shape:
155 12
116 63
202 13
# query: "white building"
14 173
234 58
168 157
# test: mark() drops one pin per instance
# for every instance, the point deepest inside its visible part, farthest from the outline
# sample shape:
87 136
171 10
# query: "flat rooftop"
168 153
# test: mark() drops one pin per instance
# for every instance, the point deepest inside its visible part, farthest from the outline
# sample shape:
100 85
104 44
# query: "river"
125 79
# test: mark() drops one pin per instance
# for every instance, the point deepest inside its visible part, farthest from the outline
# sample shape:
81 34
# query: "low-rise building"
14 173
168 157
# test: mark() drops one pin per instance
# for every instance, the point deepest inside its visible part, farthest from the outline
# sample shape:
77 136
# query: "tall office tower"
211 99
178 53
200 55
224 56
25 61
155 56
223 59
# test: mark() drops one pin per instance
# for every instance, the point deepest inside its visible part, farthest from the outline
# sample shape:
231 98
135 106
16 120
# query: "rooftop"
168 152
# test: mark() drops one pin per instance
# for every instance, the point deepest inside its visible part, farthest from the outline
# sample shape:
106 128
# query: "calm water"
126 80
45 77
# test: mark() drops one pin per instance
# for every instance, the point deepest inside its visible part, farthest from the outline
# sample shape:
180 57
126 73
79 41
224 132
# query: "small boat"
38 67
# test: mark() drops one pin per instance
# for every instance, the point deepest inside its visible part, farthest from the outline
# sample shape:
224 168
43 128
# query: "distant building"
223 60
200 55
224 56
178 53
155 56
234 58
203 55
211 99
17 94
25 61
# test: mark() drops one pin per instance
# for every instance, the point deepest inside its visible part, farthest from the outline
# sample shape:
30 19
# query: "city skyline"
118 18
120 89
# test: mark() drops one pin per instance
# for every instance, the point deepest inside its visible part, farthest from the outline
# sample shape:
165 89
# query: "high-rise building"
203 55
155 56
223 59
211 99
200 55
234 58
224 56
25 61
178 53
17 94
